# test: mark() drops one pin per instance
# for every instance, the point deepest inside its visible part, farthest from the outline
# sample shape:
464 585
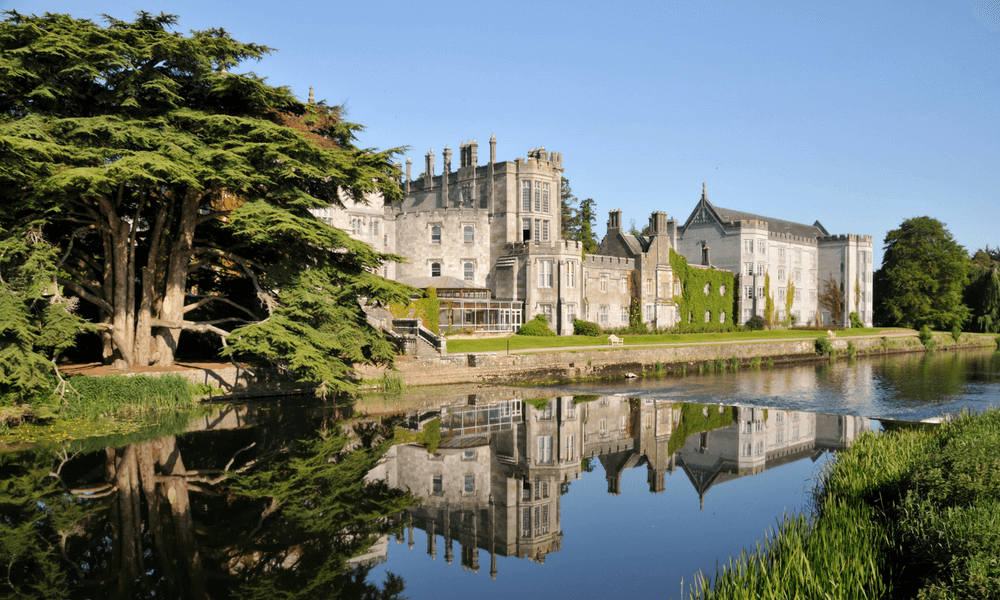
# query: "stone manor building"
489 238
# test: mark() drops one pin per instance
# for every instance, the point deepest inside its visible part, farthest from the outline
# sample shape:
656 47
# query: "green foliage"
324 503
35 325
539 326
693 419
956 333
823 346
789 300
769 301
693 303
34 509
756 323
925 335
109 127
856 322
120 395
852 350
922 278
982 295
391 382
429 308
586 328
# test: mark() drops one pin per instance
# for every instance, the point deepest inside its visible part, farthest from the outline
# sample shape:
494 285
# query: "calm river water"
579 491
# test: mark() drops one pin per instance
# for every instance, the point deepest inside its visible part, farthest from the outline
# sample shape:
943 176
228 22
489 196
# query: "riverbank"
907 513
562 365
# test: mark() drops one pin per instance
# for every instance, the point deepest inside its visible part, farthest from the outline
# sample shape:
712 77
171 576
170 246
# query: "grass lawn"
523 342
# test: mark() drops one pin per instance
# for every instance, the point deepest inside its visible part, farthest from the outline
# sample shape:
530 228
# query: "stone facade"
806 256
498 226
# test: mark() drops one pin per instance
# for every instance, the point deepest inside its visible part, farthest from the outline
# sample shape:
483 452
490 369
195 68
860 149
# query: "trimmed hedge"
539 326
586 328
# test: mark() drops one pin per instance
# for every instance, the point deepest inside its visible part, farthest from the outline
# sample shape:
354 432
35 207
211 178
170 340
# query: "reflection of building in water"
495 479
762 439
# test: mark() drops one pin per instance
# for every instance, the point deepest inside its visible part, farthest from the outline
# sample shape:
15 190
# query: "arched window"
708 316
706 289
469 234
435 234
722 290
469 271
435 269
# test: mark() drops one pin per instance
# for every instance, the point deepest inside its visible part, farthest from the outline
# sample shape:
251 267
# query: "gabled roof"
706 211
637 244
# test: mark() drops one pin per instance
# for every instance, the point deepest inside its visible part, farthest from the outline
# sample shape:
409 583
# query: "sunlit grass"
523 342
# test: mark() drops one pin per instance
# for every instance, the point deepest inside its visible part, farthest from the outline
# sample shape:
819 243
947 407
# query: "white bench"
614 340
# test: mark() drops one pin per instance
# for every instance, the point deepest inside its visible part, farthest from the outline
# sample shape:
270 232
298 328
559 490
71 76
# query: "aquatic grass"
125 396
840 556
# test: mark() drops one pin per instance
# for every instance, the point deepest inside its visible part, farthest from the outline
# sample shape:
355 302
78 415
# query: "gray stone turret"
429 169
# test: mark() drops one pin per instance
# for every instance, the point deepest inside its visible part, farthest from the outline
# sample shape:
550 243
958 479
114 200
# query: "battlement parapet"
612 262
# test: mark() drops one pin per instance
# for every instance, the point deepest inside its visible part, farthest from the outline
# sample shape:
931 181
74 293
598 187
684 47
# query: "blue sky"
858 114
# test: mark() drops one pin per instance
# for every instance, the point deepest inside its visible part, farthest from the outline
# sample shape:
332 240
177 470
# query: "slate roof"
636 243
777 225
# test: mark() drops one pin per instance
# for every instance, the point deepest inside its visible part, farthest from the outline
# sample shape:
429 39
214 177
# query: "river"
577 491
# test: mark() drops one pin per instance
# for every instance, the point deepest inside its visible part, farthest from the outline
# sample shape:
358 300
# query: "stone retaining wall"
570 365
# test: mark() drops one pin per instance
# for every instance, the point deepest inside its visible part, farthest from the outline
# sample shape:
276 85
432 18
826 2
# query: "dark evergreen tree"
588 220
155 169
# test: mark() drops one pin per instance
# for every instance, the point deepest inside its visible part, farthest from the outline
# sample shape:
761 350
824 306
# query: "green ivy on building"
693 303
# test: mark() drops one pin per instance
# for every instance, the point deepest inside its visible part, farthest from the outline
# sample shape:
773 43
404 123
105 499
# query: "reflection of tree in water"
279 521
933 376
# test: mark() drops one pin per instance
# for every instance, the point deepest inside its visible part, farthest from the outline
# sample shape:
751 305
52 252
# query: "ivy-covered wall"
693 302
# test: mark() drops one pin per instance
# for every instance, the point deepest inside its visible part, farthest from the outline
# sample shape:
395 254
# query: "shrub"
585 328
823 346
925 334
756 323
852 350
956 333
856 321
997 340
539 326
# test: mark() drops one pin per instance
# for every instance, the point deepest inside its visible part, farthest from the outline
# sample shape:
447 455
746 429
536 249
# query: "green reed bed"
126 396
913 512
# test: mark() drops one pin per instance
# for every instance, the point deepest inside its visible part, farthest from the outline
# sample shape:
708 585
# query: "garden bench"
614 340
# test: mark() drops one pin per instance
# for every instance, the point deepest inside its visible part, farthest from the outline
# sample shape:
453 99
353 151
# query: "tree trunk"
143 327
176 280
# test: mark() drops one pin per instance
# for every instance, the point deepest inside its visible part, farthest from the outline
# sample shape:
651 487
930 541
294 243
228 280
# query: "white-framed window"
437 484
798 256
602 315
798 275
525 230
746 314
781 254
782 294
375 233
570 451
798 295
708 316
812 316
779 436
745 449
468 270
748 267
545 197
604 283
525 196
761 247
624 283
748 292
526 520
469 455
760 293
624 315
544 449
469 234
570 313
547 311
812 294
545 273
758 448
470 484
571 274
722 290
748 246
781 273
760 269
722 317
545 230
538 198
649 286
357 226
435 269
649 312
538 230
435 234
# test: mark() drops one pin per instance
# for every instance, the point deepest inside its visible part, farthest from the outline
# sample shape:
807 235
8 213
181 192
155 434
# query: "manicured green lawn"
520 342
